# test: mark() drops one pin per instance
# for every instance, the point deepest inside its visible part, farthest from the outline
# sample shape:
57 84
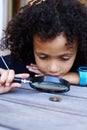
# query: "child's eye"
43 57
65 58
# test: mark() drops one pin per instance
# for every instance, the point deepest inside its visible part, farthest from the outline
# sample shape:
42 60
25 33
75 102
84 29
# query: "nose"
54 68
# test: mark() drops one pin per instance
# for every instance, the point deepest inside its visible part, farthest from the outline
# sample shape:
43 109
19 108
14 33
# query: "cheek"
68 65
42 66
40 63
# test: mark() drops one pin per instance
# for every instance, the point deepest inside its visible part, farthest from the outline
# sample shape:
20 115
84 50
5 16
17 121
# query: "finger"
7 77
3 76
39 75
23 75
1 70
34 70
32 65
5 89
13 85
10 77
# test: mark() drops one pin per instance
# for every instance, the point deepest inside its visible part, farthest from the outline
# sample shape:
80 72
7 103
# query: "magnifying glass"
49 84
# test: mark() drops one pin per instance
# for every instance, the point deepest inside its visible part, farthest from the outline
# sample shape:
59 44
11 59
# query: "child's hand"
35 69
6 78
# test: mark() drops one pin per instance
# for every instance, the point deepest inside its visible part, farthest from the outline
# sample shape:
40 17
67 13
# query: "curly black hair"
47 19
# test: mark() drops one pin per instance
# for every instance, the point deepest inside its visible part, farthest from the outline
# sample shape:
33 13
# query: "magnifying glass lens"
49 86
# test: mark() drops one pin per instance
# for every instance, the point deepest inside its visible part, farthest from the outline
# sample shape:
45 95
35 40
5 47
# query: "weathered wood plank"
24 117
70 103
27 109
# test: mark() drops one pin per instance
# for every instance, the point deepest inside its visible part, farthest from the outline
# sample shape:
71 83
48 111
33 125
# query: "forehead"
57 45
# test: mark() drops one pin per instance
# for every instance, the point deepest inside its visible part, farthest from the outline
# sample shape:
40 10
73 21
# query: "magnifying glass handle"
19 80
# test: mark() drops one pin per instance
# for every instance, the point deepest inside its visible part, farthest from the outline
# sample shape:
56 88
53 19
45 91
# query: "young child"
51 36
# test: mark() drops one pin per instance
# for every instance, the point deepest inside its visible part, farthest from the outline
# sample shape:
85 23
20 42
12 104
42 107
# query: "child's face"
54 57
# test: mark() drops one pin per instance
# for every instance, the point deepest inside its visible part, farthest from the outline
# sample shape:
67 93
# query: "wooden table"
27 109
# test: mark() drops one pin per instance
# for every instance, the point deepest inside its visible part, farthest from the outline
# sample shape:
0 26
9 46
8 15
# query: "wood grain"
27 109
